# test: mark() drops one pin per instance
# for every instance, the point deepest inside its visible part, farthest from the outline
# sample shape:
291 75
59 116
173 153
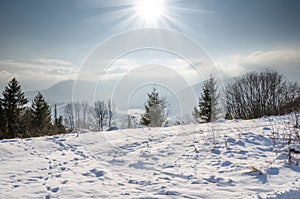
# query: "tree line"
101 115
17 119
253 95
80 115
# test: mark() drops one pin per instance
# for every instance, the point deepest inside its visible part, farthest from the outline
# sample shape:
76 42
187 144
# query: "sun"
149 11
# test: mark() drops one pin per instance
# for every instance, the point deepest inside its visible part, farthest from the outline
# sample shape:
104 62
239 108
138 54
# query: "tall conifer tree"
207 109
13 103
155 110
41 115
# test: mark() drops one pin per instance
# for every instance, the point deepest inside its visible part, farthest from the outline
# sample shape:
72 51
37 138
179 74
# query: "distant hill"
61 93
58 93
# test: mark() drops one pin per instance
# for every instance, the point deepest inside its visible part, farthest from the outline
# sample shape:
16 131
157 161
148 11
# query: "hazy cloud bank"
285 61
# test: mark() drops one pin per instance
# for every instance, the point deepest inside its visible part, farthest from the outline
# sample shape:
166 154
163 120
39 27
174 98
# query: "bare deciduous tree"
100 113
259 94
69 115
110 112
84 109
77 110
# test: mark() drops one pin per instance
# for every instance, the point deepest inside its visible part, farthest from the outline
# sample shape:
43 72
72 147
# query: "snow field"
232 159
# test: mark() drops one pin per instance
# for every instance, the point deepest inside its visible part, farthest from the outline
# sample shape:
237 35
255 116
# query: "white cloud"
38 73
123 66
43 72
286 61
51 62
4 74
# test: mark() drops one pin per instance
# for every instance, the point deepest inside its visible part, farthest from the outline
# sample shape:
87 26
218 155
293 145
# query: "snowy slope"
175 162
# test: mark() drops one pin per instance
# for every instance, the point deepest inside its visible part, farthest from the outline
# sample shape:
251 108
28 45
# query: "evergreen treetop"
207 110
155 110
13 103
58 122
41 114
19 120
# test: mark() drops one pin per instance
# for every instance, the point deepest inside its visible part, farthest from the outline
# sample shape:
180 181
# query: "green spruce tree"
55 114
58 122
41 116
13 104
155 110
25 123
3 123
208 102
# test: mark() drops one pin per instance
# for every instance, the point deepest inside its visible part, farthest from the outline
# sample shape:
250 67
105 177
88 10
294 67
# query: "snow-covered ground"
232 159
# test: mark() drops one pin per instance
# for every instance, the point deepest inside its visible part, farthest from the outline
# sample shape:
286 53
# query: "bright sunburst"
149 11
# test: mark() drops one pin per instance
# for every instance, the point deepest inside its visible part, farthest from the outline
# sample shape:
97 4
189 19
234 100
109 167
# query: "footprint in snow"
226 163
94 173
240 143
117 162
219 181
266 129
155 158
54 189
64 181
230 140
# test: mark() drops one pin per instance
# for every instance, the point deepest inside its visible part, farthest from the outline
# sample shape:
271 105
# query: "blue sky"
43 42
